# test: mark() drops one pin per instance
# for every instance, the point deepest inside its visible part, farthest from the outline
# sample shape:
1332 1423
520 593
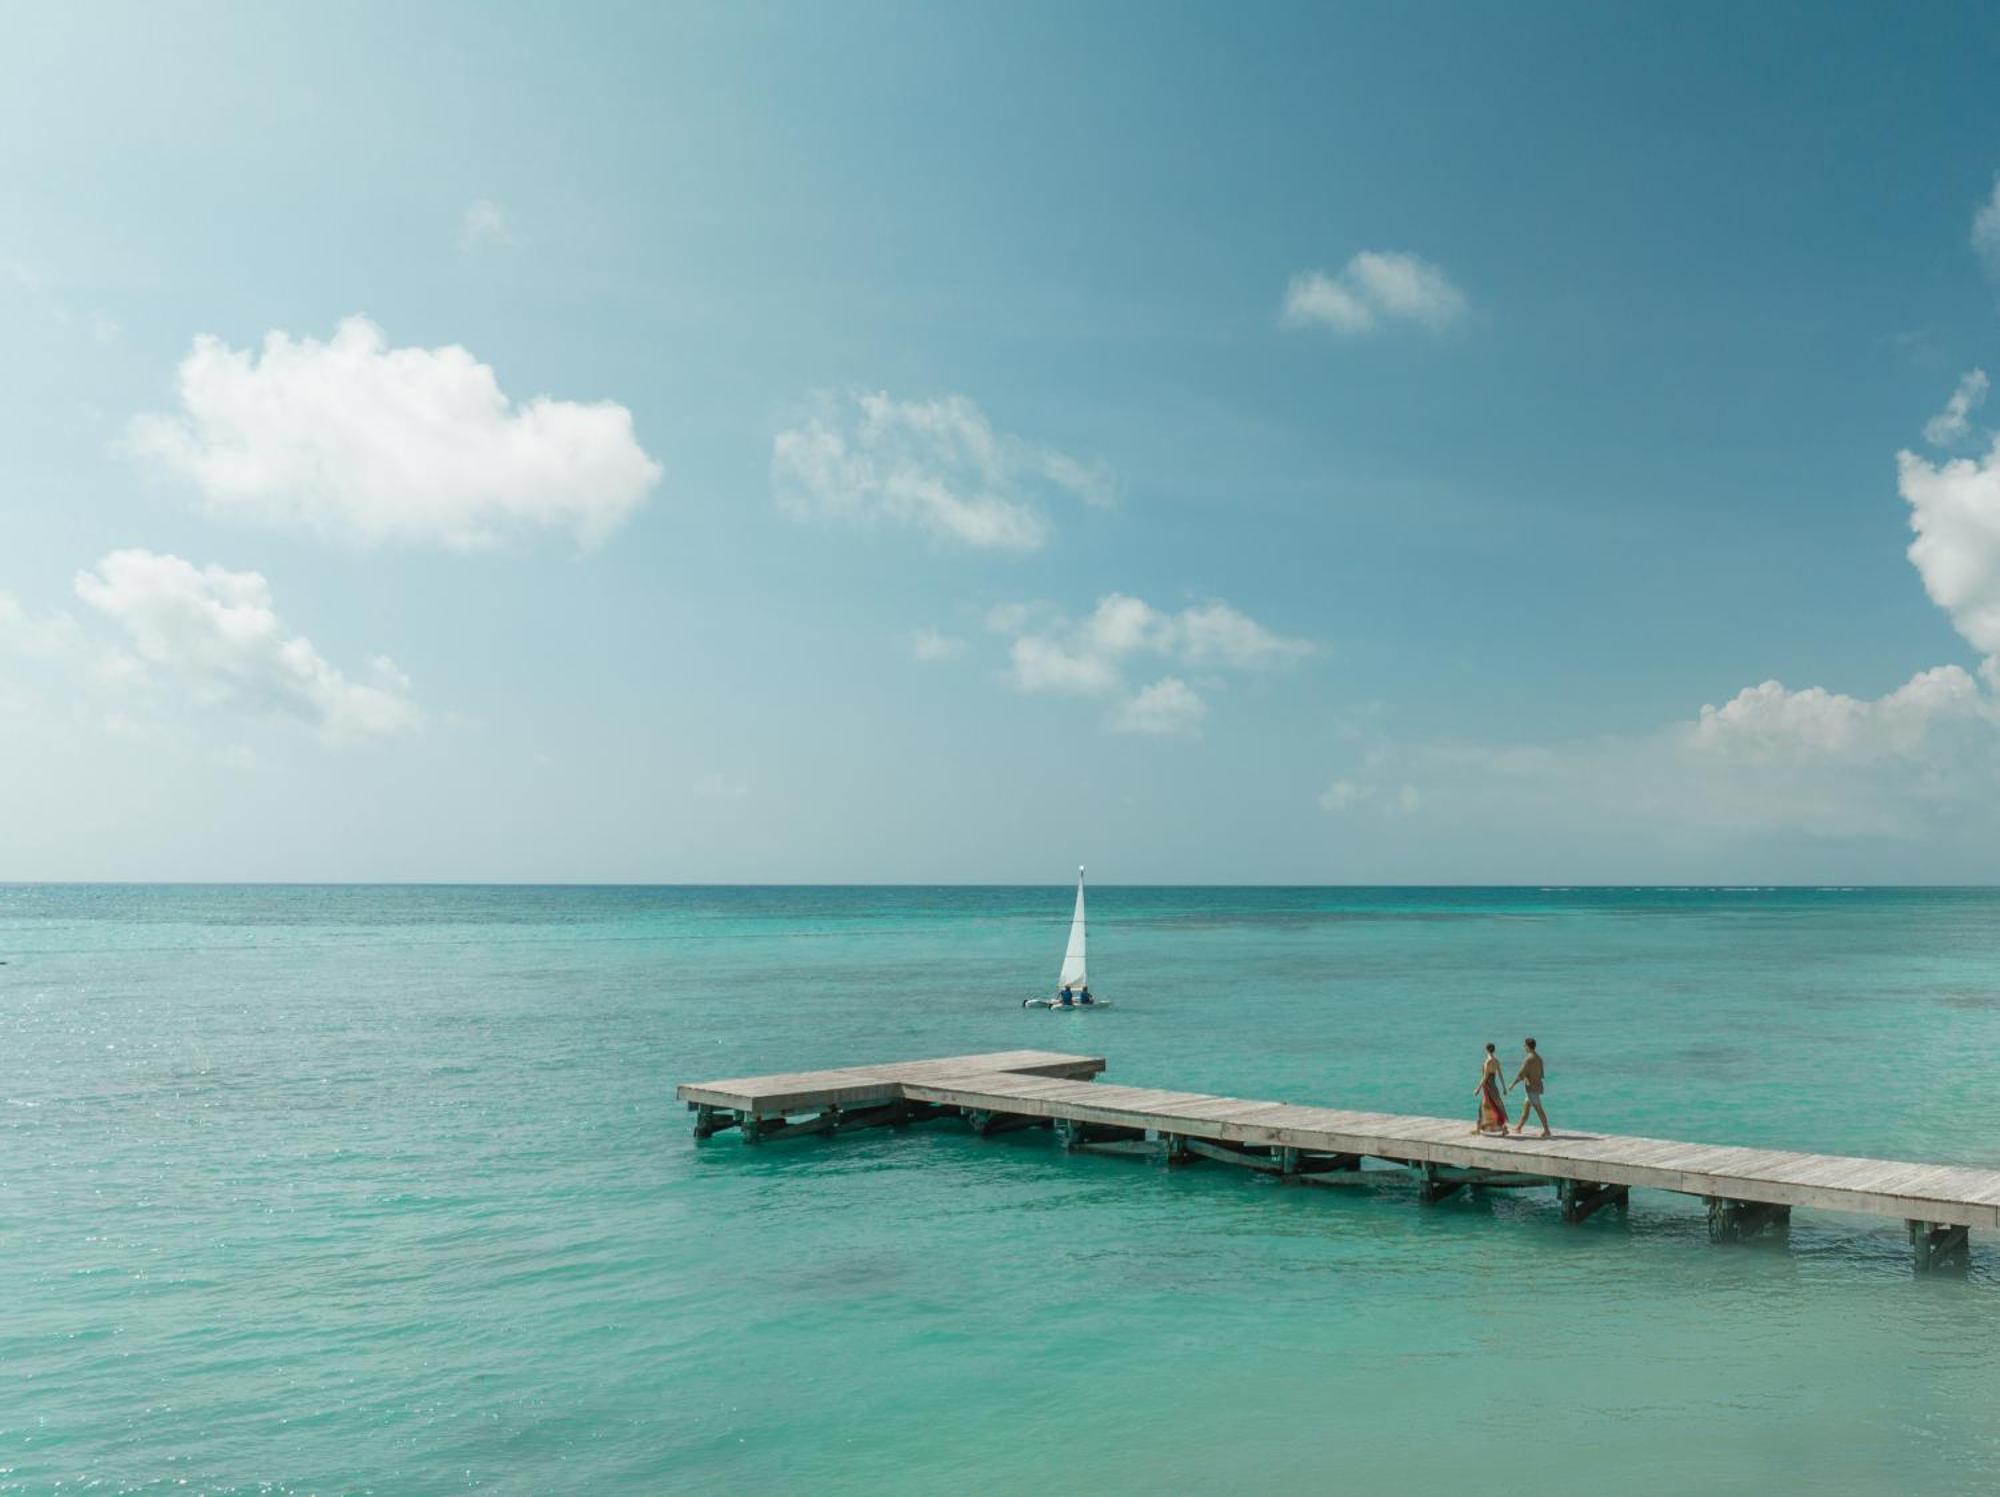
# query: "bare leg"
1536 1104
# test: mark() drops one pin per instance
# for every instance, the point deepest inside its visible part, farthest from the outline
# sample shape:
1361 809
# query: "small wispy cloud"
166 644
930 646
216 635
934 465
1373 288
98 325
484 223
1348 795
1344 795
1953 424
1054 655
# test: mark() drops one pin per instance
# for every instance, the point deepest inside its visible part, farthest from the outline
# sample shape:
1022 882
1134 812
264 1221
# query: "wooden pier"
1749 1192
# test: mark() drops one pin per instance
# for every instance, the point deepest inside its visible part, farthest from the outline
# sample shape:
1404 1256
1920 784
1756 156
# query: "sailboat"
1073 985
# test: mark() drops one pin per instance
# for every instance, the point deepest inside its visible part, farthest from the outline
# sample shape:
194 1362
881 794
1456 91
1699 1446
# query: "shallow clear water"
385 1190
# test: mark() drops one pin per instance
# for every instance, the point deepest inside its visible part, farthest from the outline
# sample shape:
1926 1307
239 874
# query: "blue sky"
897 443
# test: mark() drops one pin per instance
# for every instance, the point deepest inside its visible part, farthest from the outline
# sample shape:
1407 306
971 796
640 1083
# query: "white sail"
1073 975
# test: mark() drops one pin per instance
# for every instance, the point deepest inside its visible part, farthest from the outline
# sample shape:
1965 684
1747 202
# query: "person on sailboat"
1066 998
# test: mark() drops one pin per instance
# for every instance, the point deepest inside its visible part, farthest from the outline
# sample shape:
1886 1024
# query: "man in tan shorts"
1530 1076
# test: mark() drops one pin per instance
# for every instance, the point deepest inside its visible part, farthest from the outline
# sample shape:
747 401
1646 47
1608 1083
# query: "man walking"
1530 1076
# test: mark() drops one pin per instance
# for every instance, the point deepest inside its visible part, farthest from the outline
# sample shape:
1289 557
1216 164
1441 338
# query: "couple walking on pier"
1493 1105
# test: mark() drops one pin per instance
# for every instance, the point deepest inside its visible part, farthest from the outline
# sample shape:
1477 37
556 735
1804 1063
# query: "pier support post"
1941 1249
1581 1199
989 1124
830 1120
1077 1134
836 1119
1740 1221
1288 1162
709 1121
1434 1186
1174 1149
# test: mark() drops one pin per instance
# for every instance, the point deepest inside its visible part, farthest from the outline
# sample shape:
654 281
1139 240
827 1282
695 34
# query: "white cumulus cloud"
1955 511
1953 424
1770 725
1917 764
215 637
1168 707
1920 761
1374 287
1986 230
935 465
360 442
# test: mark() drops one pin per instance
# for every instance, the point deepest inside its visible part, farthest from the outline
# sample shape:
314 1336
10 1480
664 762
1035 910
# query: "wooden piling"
1941 1249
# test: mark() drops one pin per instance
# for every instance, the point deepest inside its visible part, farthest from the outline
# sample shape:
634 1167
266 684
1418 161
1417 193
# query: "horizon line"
1539 886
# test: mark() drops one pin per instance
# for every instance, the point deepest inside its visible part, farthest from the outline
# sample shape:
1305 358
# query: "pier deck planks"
853 1086
1048 1084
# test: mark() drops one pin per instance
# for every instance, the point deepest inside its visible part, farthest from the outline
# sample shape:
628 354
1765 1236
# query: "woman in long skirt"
1492 1108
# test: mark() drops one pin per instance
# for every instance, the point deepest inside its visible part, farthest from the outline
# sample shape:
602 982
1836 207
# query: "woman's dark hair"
1489 1047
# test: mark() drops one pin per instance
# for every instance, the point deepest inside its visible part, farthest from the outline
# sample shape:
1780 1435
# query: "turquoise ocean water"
385 1190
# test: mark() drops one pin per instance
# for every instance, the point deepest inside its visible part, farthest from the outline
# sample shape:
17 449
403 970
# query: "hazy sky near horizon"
886 442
